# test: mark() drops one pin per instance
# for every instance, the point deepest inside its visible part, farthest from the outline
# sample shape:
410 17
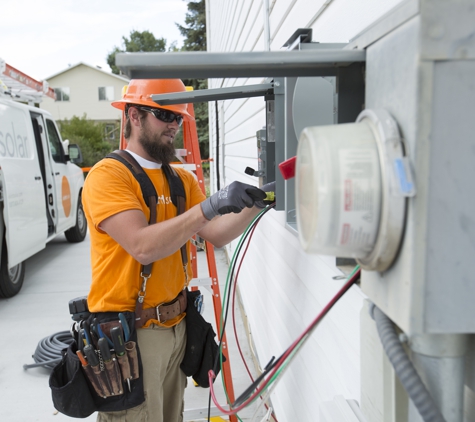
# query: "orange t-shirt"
110 188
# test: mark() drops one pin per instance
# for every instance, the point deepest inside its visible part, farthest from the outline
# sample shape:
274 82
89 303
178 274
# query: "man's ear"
134 116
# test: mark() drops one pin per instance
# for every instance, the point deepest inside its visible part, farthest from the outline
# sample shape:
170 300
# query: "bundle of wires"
275 368
48 351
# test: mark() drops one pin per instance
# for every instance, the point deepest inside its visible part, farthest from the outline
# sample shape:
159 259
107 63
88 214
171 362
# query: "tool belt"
114 364
101 370
163 312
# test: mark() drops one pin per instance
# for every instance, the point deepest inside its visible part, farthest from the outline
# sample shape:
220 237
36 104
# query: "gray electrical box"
265 157
308 101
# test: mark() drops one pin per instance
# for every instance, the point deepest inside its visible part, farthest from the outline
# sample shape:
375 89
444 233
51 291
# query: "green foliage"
195 40
138 42
89 136
195 31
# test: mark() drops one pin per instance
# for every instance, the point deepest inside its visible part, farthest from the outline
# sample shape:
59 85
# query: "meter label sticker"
402 170
360 197
66 196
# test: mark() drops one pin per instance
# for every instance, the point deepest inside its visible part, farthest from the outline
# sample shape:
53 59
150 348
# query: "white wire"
267 416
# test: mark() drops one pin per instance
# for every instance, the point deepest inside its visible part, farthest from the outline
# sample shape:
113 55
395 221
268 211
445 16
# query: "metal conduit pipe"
266 25
412 383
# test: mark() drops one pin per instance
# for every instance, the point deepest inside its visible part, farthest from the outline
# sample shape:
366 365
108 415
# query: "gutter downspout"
266 26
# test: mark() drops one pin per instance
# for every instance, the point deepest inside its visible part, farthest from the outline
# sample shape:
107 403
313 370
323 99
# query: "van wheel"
11 280
78 232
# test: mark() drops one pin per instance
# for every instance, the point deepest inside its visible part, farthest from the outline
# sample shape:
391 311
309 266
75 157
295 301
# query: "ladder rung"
181 152
186 166
200 282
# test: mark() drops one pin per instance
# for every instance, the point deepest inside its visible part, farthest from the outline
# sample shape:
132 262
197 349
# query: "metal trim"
197 64
214 94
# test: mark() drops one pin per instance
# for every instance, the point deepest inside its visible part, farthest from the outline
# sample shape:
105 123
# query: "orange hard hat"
139 92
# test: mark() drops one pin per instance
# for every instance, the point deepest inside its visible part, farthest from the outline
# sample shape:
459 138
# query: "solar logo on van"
13 137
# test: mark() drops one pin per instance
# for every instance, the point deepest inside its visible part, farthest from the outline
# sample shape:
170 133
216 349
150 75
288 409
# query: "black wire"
218 185
218 356
48 351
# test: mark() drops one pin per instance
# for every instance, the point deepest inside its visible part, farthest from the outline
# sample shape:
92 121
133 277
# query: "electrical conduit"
412 383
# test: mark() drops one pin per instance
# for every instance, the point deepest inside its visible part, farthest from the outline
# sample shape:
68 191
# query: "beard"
163 152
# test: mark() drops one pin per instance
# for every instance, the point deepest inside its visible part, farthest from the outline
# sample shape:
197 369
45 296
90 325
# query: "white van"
40 189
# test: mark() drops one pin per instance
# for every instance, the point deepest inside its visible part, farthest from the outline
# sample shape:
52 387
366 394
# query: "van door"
24 209
44 161
62 183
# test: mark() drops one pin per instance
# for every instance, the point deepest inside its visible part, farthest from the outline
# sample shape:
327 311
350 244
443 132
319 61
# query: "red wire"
233 314
233 303
289 350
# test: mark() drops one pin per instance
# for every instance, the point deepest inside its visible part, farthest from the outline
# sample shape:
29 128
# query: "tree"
195 31
138 42
89 136
195 40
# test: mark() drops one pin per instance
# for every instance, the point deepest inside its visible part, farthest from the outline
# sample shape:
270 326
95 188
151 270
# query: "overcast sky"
43 37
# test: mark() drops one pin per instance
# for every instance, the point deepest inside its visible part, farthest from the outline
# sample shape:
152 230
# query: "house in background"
84 89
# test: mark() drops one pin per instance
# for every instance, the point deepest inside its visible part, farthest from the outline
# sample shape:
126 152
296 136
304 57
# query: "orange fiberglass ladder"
190 157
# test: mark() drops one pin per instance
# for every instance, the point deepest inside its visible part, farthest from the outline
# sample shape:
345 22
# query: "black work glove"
232 198
269 187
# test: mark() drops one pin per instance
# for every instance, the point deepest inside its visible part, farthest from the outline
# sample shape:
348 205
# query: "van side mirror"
75 154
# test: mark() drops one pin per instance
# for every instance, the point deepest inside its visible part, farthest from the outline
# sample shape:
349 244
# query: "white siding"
283 289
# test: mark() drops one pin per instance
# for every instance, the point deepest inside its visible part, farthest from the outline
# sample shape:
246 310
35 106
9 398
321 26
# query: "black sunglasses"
164 115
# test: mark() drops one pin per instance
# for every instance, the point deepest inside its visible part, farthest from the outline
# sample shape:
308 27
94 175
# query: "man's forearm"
222 230
149 243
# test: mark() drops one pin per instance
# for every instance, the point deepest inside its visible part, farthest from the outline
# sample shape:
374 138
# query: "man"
122 241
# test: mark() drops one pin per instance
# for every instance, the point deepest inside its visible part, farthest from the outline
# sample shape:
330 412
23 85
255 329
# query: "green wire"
297 347
292 354
221 328
227 286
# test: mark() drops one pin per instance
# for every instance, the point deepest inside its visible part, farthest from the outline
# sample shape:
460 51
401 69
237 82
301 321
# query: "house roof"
122 78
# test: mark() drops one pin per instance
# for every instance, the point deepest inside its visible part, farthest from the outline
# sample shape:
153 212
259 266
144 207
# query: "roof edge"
123 78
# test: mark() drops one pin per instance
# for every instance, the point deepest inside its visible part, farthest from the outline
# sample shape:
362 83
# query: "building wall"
83 82
283 288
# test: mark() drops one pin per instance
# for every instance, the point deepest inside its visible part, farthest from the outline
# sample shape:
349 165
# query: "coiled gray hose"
48 351
412 383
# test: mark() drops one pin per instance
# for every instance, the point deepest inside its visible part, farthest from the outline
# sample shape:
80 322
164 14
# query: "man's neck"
147 164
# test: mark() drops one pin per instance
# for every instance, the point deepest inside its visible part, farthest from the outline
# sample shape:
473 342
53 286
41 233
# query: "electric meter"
352 181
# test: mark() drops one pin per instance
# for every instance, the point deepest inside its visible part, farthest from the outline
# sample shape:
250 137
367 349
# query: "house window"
109 130
106 93
62 94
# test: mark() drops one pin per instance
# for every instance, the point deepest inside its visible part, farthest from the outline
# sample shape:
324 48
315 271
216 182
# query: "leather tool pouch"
115 385
111 380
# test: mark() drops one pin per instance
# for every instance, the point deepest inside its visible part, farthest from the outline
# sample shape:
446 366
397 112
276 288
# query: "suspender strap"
177 193
148 190
178 198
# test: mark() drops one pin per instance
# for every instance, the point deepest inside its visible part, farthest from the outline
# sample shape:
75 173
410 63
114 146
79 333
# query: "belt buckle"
158 312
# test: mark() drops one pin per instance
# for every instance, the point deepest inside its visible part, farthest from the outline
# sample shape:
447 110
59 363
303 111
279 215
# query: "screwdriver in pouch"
91 356
81 358
84 337
119 346
106 358
104 349
118 340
